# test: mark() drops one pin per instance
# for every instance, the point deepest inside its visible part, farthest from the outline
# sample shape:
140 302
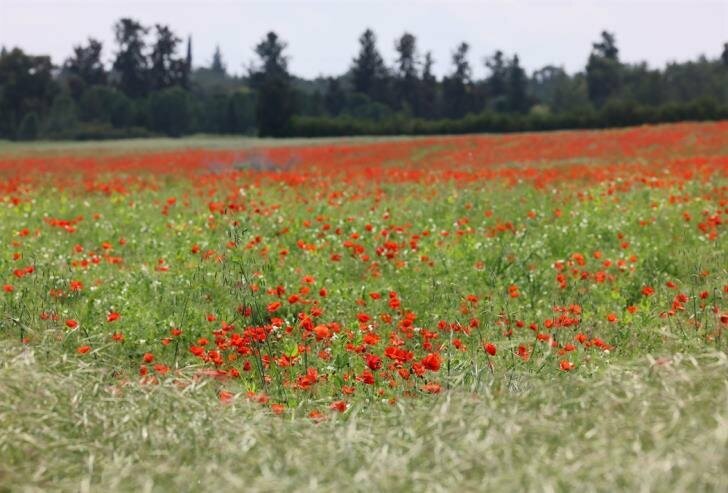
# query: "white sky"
322 35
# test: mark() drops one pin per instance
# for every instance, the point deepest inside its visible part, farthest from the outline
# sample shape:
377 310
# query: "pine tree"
218 65
603 70
86 63
516 95
131 63
496 85
166 70
272 82
335 98
407 80
457 88
368 71
428 89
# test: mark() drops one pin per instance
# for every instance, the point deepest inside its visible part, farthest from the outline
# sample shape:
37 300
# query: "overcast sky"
322 35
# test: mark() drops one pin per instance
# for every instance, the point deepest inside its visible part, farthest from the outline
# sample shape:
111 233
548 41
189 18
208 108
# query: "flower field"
364 288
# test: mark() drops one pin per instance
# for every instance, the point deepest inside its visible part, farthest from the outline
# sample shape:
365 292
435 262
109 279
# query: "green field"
516 313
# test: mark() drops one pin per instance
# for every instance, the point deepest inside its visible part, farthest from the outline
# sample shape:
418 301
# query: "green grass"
647 425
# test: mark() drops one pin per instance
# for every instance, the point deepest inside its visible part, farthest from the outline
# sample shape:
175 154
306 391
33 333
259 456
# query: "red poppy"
432 361
339 406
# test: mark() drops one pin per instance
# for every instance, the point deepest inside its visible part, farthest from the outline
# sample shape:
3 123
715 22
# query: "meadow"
513 312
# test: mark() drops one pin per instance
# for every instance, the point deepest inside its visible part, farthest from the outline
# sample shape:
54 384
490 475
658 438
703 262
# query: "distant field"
509 312
162 144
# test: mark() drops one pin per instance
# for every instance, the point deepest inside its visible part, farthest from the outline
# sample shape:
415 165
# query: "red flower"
523 352
83 349
113 317
339 406
489 348
432 361
71 324
374 362
274 306
322 332
366 377
566 365
432 388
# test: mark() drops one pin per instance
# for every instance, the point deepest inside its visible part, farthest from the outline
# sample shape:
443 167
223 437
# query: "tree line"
152 88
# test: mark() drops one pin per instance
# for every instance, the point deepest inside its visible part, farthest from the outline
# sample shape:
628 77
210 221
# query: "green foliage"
240 113
29 127
62 121
131 62
603 71
457 89
275 101
613 114
606 92
406 78
26 86
166 70
108 105
170 112
86 63
369 75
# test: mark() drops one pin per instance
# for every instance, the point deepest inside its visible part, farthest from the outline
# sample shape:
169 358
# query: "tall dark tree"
26 87
603 70
516 94
724 55
559 92
369 72
218 65
188 58
131 62
166 70
407 80
86 64
275 103
496 84
187 68
606 47
335 97
427 107
457 88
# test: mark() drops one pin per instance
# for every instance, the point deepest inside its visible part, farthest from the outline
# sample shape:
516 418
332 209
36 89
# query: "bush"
105 131
62 121
170 111
613 114
107 105
29 125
